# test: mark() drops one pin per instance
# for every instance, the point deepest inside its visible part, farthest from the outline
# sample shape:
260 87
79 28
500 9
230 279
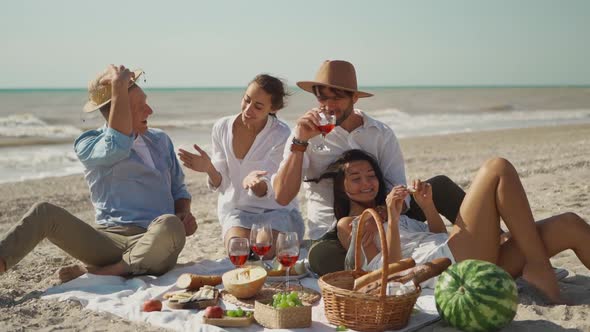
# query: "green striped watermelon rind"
490 296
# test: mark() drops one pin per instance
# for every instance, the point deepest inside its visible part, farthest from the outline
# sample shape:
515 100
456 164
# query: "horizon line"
366 87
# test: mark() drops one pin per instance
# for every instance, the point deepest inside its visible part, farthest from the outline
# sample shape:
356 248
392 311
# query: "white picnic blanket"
124 298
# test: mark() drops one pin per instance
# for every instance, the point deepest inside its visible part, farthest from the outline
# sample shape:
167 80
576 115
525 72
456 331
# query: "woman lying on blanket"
496 192
247 149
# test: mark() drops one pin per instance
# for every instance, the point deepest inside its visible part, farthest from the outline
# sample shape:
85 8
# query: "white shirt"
142 150
265 154
416 241
373 137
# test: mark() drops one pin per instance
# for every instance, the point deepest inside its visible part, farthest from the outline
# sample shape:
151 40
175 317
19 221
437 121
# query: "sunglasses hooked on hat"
100 94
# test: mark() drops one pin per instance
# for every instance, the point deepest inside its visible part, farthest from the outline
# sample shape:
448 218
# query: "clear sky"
225 43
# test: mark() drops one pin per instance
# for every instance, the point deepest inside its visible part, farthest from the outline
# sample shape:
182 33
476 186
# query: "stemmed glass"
327 123
288 251
239 250
261 239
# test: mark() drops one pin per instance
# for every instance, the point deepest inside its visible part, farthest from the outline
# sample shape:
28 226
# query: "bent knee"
499 166
169 225
44 207
575 220
43 212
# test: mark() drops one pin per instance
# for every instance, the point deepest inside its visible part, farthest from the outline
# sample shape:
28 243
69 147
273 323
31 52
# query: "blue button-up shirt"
123 189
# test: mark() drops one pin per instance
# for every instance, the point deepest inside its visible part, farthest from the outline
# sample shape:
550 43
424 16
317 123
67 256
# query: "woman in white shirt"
247 149
496 192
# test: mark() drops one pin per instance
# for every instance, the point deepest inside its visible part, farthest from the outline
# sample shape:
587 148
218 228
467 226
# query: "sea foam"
28 125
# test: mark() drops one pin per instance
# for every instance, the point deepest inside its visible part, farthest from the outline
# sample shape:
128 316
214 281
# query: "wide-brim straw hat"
100 94
335 74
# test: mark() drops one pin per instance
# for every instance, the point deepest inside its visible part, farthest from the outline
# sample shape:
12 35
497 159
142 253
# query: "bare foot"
70 272
117 269
543 278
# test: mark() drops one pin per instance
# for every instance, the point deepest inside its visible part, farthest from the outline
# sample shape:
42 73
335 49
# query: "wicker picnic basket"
359 311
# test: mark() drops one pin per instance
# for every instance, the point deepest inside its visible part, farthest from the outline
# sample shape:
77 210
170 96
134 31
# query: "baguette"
281 273
376 275
191 281
417 274
431 270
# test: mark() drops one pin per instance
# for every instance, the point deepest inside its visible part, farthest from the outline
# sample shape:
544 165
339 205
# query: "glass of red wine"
239 250
287 251
327 123
261 239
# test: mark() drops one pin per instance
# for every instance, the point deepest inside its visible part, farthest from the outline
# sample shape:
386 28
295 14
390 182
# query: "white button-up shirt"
373 137
265 154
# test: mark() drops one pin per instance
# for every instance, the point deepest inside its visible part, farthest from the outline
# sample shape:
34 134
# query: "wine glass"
287 251
261 239
239 250
327 123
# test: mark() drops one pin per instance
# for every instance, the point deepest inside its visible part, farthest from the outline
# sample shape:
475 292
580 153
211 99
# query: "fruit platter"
215 315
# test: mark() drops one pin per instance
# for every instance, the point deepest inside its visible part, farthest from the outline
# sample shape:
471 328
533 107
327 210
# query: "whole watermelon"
476 296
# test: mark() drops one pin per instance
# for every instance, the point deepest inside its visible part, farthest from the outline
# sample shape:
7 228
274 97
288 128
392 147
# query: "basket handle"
384 252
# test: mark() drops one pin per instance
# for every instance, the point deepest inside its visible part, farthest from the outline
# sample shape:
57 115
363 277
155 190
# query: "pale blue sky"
225 43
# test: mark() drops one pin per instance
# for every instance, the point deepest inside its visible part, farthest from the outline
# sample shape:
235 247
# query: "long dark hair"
336 171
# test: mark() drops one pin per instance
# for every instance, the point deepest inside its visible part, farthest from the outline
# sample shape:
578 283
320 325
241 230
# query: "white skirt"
281 220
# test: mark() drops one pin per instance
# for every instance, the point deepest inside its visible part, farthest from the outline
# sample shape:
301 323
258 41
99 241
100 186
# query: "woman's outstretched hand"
395 202
256 182
422 194
197 162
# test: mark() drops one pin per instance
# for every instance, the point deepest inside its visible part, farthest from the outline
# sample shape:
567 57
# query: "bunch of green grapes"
286 300
238 313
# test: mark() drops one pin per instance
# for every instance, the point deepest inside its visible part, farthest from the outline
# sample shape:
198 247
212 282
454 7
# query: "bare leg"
2 266
497 192
559 233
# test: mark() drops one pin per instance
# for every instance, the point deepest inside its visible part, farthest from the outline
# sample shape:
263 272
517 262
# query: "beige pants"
152 251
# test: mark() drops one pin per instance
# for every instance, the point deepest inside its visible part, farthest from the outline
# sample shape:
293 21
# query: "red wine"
327 128
261 249
288 260
238 260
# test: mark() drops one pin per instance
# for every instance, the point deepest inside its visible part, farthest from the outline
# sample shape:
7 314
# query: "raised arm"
423 197
120 115
394 200
200 162
391 162
106 147
288 179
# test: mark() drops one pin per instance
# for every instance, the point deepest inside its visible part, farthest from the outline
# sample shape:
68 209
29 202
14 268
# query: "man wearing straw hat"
335 88
136 186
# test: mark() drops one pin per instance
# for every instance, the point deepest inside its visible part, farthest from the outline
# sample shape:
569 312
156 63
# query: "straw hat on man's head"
100 94
336 74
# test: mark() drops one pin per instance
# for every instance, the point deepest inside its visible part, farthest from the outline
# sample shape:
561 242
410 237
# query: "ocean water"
38 127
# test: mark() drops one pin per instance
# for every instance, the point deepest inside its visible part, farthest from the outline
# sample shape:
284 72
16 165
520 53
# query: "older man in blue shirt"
136 186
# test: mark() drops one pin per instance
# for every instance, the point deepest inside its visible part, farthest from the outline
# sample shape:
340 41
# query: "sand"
554 163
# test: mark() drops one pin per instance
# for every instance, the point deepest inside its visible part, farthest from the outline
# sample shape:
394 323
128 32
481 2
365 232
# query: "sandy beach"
554 164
